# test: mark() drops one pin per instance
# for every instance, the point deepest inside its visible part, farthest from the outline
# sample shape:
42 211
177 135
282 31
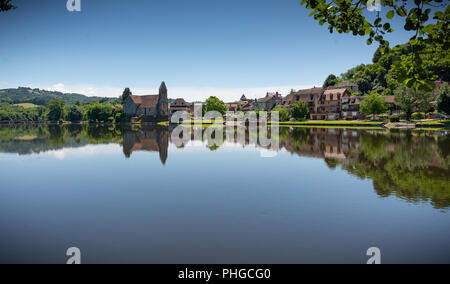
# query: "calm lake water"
131 195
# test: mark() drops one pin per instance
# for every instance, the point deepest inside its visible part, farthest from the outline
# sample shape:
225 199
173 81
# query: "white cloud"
58 87
188 93
88 150
69 153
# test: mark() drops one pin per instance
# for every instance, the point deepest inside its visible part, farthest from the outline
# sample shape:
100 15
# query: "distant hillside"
23 95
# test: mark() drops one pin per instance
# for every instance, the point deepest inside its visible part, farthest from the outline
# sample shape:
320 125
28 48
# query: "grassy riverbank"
355 123
307 122
442 123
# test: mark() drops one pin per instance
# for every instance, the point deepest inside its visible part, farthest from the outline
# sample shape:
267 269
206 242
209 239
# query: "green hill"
23 95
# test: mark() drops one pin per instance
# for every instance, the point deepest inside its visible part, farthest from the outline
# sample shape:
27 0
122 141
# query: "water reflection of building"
322 143
155 139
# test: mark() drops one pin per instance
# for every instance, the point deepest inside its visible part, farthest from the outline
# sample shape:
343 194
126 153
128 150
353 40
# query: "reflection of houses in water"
329 144
152 139
322 143
310 142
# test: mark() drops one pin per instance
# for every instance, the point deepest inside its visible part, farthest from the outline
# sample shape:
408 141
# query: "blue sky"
199 47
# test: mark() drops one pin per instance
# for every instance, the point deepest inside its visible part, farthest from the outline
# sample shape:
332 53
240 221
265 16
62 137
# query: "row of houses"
330 103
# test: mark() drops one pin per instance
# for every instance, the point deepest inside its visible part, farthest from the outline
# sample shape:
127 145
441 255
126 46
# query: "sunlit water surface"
130 195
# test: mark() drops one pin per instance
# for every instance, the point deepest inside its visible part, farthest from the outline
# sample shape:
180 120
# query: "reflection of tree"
213 147
103 134
300 136
296 138
75 131
213 142
414 153
27 139
443 143
332 163
410 167
374 147
57 135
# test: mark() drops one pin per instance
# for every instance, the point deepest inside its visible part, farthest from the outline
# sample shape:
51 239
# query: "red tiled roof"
145 101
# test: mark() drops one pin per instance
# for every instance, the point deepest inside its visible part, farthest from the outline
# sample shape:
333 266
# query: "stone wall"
129 107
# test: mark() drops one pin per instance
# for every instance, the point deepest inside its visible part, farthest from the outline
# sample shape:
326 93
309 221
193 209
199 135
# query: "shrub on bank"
418 115
97 112
284 113
300 111
394 118
74 114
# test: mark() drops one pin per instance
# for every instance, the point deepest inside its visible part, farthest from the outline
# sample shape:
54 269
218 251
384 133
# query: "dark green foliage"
373 104
418 115
55 110
18 113
126 93
119 115
377 55
214 104
42 97
443 104
394 118
330 81
283 113
74 114
410 100
299 110
427 20
58 106
97 112
6 5
385 75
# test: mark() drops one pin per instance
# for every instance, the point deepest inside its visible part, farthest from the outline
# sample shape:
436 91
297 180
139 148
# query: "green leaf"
401 11
409 82
390 14
377 21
